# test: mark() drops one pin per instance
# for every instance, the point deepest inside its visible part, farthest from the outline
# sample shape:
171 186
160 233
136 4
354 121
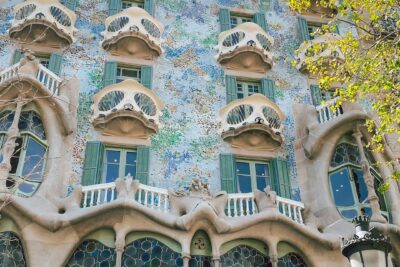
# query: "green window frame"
247 88
236 19
313 28
257 172
128 72
131 3
125 163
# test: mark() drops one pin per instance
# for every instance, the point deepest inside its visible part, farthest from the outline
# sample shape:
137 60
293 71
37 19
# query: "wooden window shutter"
114 6
18 55
224 19
93 164
268 88
71 4
55 63
149 6
110 73
142 164
146 77
259 18
281 180
231 88
315 94
304 35
227 166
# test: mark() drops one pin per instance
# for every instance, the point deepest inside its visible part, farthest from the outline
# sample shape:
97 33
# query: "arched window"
11 251
347 183
92 253
28 158
291 260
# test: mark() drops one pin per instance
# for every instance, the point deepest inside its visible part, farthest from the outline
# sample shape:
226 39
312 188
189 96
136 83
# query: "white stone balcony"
29 79
133 32
45 22
323 51
329 110
159 199
127 108
245 47
252 122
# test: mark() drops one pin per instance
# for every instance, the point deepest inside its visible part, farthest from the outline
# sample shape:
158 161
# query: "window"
124 72
252 175
128 4
28 159
346 178
44 60
314 29
118 163
245 89
237 19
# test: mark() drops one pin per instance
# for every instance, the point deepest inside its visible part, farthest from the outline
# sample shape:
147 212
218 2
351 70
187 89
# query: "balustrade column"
369 180
9 146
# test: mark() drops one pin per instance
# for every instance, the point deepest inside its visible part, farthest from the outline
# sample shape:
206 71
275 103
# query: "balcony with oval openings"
254 122
321 49
127 108
133 32
44 22
245 47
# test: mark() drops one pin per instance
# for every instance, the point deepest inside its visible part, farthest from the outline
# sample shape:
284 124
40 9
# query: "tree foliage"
369 67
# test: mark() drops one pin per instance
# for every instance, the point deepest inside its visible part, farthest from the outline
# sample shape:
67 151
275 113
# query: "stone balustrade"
236 204
238 46
329 110
324 46
127 31
40 16
43 75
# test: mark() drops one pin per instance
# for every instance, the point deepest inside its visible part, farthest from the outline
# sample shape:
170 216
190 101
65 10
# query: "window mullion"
253 175
122 163
354 190
22 155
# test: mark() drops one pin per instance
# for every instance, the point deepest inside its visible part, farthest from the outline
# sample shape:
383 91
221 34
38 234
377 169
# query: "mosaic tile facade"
186 77
92 253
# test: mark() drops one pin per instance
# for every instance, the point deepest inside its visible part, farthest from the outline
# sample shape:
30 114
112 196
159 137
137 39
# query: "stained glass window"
200 261
346 177
11 251
150 252
245 256
94 254
291 260
28 159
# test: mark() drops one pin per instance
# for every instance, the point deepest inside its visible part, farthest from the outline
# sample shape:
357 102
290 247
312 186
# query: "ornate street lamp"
367 248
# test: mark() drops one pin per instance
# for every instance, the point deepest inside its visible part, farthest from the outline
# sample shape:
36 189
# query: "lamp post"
367 248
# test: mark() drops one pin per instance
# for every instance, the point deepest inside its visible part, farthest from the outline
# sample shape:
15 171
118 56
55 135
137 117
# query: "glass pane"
27 188
341 188
34 160
113 156
243 168
131 158
361 188
349 214
15 157
366 211
234 22
130 170
262 176
244 184
112 173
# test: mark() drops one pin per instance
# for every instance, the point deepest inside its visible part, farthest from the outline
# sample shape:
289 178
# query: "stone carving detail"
265 199
199 243
127 187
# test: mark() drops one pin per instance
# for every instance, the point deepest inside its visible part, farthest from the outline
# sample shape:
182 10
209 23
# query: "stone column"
9 146
186 258
369 180
119 248
216 261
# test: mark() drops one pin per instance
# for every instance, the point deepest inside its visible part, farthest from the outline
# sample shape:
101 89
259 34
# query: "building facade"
179 133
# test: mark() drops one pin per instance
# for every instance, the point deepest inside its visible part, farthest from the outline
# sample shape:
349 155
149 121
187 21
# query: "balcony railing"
46 77
320 47
329 110
243 38
238 204
128 95
255 109
49 12
133 21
